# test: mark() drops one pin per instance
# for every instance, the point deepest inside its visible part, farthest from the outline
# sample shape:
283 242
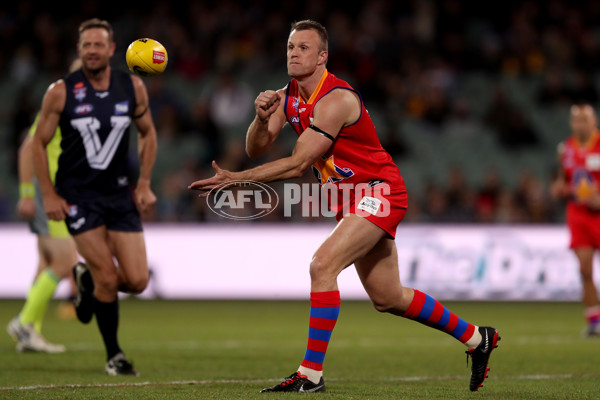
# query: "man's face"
583 120
303 53
95 49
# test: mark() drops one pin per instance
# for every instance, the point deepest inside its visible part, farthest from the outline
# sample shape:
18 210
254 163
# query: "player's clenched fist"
266 104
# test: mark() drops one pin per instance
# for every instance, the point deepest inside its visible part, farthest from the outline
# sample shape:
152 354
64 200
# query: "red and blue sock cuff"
325 299
592 314
416 305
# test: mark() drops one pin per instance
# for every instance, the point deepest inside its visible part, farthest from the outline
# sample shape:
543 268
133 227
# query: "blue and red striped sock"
592 314
427 310
324 311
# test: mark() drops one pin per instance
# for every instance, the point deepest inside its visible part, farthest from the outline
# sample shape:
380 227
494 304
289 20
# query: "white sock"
311 374
475 339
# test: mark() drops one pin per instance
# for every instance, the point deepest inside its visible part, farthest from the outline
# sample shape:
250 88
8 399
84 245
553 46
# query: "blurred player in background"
337 138
577 181
56 249
94 108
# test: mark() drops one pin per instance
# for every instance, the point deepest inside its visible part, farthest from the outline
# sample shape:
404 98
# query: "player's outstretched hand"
266 104
144 197
56 207
205 185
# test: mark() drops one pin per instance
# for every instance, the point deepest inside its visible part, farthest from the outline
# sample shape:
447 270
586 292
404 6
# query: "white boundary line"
234 381
129 384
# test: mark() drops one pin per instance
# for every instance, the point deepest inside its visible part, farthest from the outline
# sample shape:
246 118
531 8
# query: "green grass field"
230 350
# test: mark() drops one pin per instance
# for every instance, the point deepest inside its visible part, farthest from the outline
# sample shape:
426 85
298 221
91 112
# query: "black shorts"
117 213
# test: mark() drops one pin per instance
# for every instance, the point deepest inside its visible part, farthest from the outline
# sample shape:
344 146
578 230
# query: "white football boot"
28 339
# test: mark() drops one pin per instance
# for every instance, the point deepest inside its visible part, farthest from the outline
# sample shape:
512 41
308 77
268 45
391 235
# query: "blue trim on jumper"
287 96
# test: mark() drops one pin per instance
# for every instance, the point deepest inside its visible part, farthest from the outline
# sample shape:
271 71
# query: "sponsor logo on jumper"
122 107
79 90
592 162
84 108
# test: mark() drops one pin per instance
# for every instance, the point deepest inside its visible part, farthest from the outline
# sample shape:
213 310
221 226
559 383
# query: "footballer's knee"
586 274
105 285
382 307
322 270
62 270
138 285
133 278
390 303
383 304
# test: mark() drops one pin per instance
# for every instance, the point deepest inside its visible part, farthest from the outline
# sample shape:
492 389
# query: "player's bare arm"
339 108
147 145
309 147
52 106
26 204
269 120
331 114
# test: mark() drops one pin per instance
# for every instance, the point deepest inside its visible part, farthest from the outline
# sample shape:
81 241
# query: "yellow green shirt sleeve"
53 149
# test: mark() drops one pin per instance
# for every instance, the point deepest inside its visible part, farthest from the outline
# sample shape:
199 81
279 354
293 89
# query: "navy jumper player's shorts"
117 213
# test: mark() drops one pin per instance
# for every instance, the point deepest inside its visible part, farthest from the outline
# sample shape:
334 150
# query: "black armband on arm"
321 131
140 114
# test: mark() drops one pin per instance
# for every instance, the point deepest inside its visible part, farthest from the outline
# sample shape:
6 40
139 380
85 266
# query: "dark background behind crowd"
470 98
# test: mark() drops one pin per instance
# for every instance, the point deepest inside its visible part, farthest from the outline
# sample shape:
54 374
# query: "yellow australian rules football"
146 57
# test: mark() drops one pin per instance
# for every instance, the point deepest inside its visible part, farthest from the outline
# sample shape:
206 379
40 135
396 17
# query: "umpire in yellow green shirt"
56 248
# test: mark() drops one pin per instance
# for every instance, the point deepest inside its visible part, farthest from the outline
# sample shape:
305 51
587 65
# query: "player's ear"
323 56
113 46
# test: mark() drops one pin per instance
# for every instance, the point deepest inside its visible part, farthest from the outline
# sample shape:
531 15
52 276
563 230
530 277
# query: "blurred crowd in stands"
405 57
